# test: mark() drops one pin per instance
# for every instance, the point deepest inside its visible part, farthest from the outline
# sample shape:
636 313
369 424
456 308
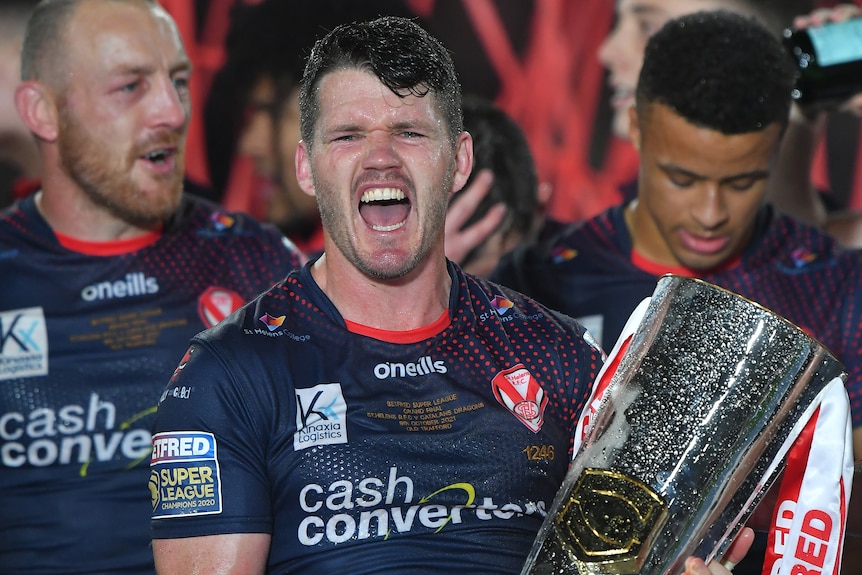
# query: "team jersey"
86 345
360 451
794 270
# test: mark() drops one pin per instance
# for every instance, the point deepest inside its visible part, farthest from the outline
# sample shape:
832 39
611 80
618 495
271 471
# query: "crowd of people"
212 392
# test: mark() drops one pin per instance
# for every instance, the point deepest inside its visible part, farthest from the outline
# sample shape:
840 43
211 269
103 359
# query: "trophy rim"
757 305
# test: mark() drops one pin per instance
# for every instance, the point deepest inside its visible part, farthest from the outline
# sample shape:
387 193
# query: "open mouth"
384 209
159 156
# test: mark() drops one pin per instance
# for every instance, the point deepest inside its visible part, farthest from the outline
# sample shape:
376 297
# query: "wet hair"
500 145
406 59
44 38
718 70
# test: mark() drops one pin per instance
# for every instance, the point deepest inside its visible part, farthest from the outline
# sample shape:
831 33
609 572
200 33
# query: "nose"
171 104
710 209
609 48
380 152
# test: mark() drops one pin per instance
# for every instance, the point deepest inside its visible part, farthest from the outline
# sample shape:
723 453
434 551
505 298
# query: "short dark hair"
499 145
718 70
406 59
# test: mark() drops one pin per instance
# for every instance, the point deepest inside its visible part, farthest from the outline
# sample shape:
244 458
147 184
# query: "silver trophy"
688 437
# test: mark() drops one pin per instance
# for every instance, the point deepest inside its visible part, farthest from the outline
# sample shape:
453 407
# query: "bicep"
231 554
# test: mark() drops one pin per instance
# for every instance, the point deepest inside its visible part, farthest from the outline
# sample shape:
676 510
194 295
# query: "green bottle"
828 59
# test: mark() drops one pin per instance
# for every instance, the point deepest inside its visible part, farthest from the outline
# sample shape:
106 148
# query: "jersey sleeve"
207 472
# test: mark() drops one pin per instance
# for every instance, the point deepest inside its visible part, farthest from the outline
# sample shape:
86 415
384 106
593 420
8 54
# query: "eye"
130 87
680 180
181 83
742 184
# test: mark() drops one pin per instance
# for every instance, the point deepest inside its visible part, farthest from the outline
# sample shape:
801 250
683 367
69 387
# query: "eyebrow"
753 175
145 70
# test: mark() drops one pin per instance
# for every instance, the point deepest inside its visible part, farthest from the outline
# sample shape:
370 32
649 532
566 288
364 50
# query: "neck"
68 211
406 303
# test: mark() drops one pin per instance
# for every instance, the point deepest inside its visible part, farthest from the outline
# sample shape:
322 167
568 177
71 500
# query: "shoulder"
209 221
523 314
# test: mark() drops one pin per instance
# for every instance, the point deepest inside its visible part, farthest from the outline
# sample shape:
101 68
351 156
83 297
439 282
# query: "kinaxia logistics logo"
321 416
23 343
184 474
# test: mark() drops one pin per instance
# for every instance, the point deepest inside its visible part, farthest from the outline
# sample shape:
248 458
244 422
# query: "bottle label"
837 43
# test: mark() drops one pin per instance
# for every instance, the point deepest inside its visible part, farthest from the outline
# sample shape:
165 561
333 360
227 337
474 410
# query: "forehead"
671 139
355 95
672 8
117 35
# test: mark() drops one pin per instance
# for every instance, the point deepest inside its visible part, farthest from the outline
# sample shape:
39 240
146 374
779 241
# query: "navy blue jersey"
437 451
86 345
790 268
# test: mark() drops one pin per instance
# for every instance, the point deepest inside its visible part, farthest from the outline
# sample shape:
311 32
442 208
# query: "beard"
105 174
390 266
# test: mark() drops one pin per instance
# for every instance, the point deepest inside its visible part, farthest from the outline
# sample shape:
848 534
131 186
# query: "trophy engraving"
609 517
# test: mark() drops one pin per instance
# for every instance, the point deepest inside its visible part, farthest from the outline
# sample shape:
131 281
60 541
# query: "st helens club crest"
216 303
519 392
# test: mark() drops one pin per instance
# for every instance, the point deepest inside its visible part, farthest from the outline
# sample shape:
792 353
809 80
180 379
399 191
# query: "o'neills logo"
424 366
134 284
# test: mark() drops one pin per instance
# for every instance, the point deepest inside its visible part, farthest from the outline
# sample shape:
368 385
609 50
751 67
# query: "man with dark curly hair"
712 103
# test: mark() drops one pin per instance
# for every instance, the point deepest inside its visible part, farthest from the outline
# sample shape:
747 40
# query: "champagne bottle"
828 59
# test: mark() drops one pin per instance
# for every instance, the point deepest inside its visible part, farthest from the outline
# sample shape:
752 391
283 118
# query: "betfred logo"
519 392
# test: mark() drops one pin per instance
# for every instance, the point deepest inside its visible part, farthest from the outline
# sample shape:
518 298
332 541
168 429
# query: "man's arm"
234 554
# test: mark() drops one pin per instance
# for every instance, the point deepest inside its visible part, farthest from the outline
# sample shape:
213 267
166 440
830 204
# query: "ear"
634 128
37 109
302 164
463 161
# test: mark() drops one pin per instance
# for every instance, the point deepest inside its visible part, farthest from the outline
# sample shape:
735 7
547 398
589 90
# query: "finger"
739 548
459 243
838 13
735 553
463 206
